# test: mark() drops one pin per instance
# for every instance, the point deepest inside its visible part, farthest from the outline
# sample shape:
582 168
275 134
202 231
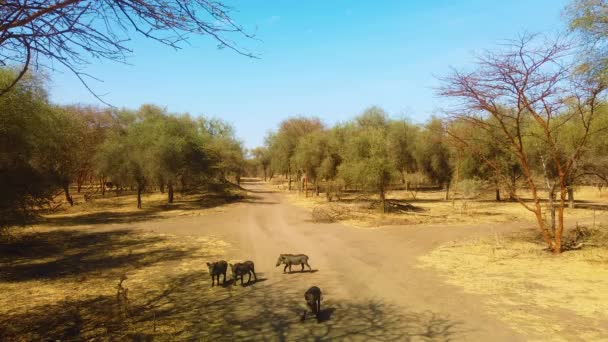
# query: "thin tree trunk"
103 186
170 192
447 191
570 197
497 194
552 209
139 190
68 197
383 199
162 187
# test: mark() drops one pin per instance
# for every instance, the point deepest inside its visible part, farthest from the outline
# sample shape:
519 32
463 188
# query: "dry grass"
120 209
434 209
547 297
62 283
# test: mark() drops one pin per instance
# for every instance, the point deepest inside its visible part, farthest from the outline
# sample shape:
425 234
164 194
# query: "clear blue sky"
330 59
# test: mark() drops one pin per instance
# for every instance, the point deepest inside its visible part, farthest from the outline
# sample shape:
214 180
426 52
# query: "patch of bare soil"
545 296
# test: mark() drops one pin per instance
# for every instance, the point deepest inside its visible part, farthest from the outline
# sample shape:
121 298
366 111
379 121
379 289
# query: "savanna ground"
443 272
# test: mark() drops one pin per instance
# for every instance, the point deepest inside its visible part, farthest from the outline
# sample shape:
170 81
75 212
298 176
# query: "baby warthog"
240 269
313 301
216 269
293 259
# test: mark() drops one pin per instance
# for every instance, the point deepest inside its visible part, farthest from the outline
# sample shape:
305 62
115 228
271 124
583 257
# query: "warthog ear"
208 264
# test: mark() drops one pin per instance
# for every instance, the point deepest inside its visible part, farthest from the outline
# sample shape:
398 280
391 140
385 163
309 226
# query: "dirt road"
373 289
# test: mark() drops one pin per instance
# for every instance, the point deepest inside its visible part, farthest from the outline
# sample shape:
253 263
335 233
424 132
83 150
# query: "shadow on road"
188 309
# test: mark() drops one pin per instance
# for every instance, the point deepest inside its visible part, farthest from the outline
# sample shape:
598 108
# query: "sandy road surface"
372 287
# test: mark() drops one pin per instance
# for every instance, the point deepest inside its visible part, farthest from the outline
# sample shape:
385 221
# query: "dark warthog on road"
313 301
216 269
293 259
240 269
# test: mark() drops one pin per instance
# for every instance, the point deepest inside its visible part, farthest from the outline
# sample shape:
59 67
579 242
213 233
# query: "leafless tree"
38 33
527 91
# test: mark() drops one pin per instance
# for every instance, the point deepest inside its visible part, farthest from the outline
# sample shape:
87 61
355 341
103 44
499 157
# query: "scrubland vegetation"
522 143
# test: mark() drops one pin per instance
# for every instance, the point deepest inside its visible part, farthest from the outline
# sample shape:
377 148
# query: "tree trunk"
447 191
78 185
170 192
139 190
383 200
317 187
552 209
162 187
497 194
103 186
289 182
68 197
570 197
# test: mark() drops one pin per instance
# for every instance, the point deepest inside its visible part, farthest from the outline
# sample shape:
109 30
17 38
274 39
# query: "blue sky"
330 59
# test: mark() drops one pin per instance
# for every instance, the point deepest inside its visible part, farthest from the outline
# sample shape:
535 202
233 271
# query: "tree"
25 186
366 157
310 152
70 32
588 19
283 143
524 88
261 157
433 155
402 138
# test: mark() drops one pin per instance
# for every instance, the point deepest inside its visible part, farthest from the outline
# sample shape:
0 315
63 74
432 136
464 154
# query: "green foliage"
24 149
366 160
433 154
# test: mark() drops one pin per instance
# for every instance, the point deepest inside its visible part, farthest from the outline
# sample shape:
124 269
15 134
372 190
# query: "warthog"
293 259
313 301
217 268
240 269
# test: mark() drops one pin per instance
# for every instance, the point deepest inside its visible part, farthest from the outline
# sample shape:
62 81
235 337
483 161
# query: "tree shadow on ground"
67 253
188 309
152 211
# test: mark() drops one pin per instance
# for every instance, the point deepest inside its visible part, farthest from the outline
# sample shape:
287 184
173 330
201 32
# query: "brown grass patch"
547 297
61 284
358 209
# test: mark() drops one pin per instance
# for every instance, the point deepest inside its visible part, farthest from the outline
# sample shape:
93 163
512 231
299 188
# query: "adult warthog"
293 259
240 269
313 301
216 269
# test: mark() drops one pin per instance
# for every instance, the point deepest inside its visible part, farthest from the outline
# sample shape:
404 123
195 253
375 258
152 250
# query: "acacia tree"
282 144
402 143
524 87
311 151
366 155
433 155
70 32
24 143
261 157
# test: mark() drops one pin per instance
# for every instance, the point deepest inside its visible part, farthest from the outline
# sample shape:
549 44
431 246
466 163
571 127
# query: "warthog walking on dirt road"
240 269
313 301
216 269
293 259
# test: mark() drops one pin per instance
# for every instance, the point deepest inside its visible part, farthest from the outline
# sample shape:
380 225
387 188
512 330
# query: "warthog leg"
285 269
309 268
